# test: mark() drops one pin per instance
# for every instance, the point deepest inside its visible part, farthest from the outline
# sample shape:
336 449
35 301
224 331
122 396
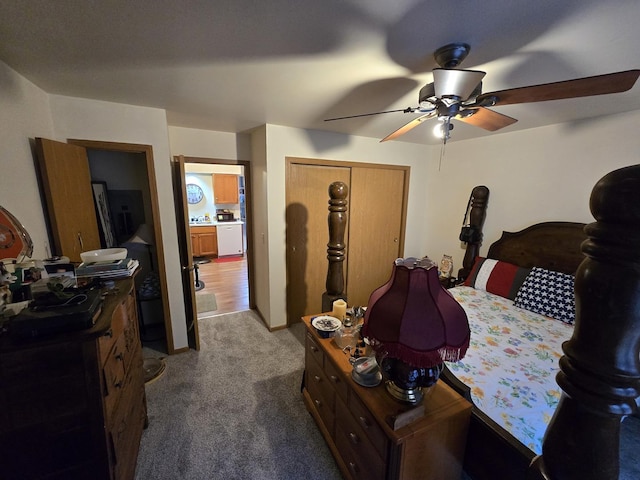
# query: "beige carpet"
206 302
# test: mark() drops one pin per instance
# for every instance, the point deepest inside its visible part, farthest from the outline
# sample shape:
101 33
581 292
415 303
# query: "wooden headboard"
550 245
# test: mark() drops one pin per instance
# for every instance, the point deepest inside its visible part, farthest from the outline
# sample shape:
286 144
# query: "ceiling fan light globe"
442 129
456 83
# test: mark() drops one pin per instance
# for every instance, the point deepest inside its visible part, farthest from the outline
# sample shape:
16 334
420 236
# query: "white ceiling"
235 64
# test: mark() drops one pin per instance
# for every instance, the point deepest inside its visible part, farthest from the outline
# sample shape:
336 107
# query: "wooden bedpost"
337 220
477 214
600 374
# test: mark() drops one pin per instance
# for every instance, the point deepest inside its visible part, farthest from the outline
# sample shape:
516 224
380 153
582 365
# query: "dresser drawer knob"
353 467
120 356
318 403
317 378
334 379
314 349
118 384
364 422
354 438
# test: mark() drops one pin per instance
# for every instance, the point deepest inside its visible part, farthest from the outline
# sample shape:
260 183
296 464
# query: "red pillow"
494 276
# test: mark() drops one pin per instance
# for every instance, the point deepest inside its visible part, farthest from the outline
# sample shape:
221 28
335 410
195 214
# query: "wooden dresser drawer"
368 424
358 437
118 323
360 468
321 393
314 351
114 373
336 379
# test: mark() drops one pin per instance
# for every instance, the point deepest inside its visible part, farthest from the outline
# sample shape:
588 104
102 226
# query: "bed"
510 368
598 371
595 362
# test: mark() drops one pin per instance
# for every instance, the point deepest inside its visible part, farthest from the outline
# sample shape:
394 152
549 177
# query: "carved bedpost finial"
600 374
477 214
337 220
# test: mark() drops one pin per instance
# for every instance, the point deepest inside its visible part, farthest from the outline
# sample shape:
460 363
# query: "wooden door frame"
248 212
147 151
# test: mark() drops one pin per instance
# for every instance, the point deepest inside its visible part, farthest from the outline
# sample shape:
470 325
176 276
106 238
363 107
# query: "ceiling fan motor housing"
451 55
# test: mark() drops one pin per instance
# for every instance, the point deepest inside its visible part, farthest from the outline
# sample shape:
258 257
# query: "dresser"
73 406
357 422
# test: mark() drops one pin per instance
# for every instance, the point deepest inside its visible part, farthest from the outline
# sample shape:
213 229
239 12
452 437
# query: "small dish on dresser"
326 325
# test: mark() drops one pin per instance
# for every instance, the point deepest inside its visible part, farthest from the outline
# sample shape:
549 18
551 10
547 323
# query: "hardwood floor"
229 281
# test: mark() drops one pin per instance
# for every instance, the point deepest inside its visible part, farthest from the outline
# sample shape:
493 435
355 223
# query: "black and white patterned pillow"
548 293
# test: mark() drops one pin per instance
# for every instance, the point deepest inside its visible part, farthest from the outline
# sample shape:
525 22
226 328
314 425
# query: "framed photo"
105 221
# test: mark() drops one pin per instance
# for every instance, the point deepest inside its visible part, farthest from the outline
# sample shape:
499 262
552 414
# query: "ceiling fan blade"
409 126
581 87
487 119
405 110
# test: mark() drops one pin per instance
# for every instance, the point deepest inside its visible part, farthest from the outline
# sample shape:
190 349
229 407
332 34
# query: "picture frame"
103 212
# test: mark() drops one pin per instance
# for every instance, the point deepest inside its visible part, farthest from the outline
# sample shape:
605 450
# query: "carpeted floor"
206 302
233 410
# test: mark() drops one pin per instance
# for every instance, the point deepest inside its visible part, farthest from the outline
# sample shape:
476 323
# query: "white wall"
111 122
192 142
24 115
543 174
262 293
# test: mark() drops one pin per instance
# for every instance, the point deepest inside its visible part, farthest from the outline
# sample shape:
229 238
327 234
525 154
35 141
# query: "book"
114 273
109 265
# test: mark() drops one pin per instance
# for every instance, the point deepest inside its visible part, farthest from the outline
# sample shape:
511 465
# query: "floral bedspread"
511 363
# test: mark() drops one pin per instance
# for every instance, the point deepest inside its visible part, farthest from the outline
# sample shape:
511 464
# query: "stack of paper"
110 269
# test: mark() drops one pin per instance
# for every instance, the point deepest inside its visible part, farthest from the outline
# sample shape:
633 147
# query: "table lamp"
414 325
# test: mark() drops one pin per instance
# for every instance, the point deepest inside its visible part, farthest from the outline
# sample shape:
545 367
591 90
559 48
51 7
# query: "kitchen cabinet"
73 405
230 239
66 182
225 188
204 241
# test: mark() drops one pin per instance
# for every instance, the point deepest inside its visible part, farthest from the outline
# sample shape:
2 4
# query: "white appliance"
229 239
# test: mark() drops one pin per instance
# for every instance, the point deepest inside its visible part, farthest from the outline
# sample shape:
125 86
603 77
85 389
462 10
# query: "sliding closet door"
376 228
307 234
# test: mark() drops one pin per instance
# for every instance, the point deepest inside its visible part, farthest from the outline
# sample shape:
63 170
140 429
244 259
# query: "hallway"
229 281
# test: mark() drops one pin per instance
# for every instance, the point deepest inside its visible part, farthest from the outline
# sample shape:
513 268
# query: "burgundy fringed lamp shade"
413 319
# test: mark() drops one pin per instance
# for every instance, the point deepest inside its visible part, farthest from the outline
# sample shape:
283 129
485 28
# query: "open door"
66 182
186 257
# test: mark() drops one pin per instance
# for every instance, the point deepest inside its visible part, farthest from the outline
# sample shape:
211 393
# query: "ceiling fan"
457 94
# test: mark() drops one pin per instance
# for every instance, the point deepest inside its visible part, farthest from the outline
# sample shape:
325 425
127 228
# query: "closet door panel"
307 199
376 229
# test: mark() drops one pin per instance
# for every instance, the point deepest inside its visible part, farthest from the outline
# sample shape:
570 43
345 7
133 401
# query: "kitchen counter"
215 223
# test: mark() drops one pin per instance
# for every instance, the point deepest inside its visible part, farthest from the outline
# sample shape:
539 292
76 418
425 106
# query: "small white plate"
326 324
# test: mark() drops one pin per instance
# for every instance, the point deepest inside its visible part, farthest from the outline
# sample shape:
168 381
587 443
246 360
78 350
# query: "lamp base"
412 396
406 383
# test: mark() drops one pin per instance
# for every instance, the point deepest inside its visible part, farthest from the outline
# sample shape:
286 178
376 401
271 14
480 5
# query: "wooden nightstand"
356 421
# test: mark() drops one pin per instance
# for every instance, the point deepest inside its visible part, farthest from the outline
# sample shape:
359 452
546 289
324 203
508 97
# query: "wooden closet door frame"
147 151
350 164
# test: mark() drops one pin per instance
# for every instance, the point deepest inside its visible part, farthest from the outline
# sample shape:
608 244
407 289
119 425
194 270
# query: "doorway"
136 224
225 274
